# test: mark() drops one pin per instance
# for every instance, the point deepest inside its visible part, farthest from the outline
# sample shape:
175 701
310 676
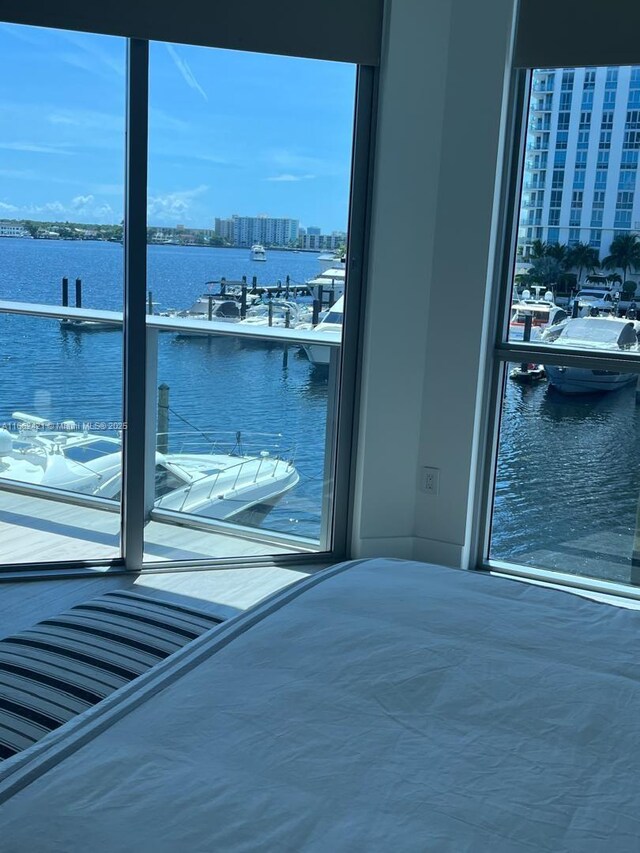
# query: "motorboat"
328 287
284 314
64 456
329 329
73 325
258 253
331 261
542 310
597 335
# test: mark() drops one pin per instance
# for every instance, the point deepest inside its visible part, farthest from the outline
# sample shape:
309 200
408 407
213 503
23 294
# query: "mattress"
378 705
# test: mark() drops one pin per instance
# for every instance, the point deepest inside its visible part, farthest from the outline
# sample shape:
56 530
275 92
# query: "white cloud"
82 208
175 204
28 174
93 56
33 148
88 120
291 162
184 69
287 177
81 201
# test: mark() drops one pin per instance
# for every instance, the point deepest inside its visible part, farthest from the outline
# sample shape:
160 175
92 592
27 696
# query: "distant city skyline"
228 130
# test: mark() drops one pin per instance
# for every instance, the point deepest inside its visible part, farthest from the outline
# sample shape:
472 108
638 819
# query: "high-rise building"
266 230
581 175
224 228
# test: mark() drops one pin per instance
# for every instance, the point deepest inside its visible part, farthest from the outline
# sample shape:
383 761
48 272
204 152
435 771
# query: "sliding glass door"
176 300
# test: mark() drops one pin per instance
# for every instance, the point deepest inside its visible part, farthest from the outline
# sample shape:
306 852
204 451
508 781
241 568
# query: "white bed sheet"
393 705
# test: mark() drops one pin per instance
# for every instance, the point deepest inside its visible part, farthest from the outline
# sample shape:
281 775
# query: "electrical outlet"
431 480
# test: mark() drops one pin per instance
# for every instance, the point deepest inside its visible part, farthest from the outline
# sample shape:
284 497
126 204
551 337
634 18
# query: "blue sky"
230 132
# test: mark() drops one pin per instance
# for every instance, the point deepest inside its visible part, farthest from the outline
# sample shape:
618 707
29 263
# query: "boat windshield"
90 450
592 330
334 317
167 481
592 294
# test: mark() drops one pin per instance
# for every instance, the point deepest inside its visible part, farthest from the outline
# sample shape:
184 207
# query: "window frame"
342 408
501 353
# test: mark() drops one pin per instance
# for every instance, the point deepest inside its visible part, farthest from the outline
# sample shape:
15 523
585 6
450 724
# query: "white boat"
331 261
216 485
330 328
329 285
596 334
69 324
542 310
258 253
284 314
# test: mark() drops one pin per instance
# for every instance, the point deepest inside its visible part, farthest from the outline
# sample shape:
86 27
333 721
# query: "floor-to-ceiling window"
566 487
196 408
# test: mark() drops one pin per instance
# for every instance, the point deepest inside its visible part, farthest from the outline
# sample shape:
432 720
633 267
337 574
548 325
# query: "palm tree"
559 252
538 250
581 257
624 253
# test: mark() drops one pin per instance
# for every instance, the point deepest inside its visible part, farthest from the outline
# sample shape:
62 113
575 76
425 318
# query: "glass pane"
248 201
62 142
567 486
578 251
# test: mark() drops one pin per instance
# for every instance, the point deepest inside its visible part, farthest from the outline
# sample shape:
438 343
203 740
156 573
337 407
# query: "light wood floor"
38 530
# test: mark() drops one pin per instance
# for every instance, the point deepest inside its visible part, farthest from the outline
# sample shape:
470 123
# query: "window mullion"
539 353
135 278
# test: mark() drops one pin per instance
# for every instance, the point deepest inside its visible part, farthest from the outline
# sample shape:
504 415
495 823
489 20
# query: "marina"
237 380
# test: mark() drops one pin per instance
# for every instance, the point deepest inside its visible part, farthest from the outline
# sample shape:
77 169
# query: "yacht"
281 309
542 310
596 334
258 253
330 328
224 486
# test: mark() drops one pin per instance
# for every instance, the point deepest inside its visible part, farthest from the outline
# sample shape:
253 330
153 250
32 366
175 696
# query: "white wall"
441 102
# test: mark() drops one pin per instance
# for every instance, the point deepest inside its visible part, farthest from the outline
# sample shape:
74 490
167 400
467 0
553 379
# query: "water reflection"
567 481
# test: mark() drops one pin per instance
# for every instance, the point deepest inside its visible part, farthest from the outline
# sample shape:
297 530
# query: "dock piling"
162 442
243 300
210 307
150 302
65 292
316 312
270 311
575 309
78 293
223 287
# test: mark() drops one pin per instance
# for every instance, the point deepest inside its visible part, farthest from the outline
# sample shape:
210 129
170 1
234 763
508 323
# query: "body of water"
218 386
566 472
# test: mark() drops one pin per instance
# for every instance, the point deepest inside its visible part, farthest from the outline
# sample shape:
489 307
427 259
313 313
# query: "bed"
380 704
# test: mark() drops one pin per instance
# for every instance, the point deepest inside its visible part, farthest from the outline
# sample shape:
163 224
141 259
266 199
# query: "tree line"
562 266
